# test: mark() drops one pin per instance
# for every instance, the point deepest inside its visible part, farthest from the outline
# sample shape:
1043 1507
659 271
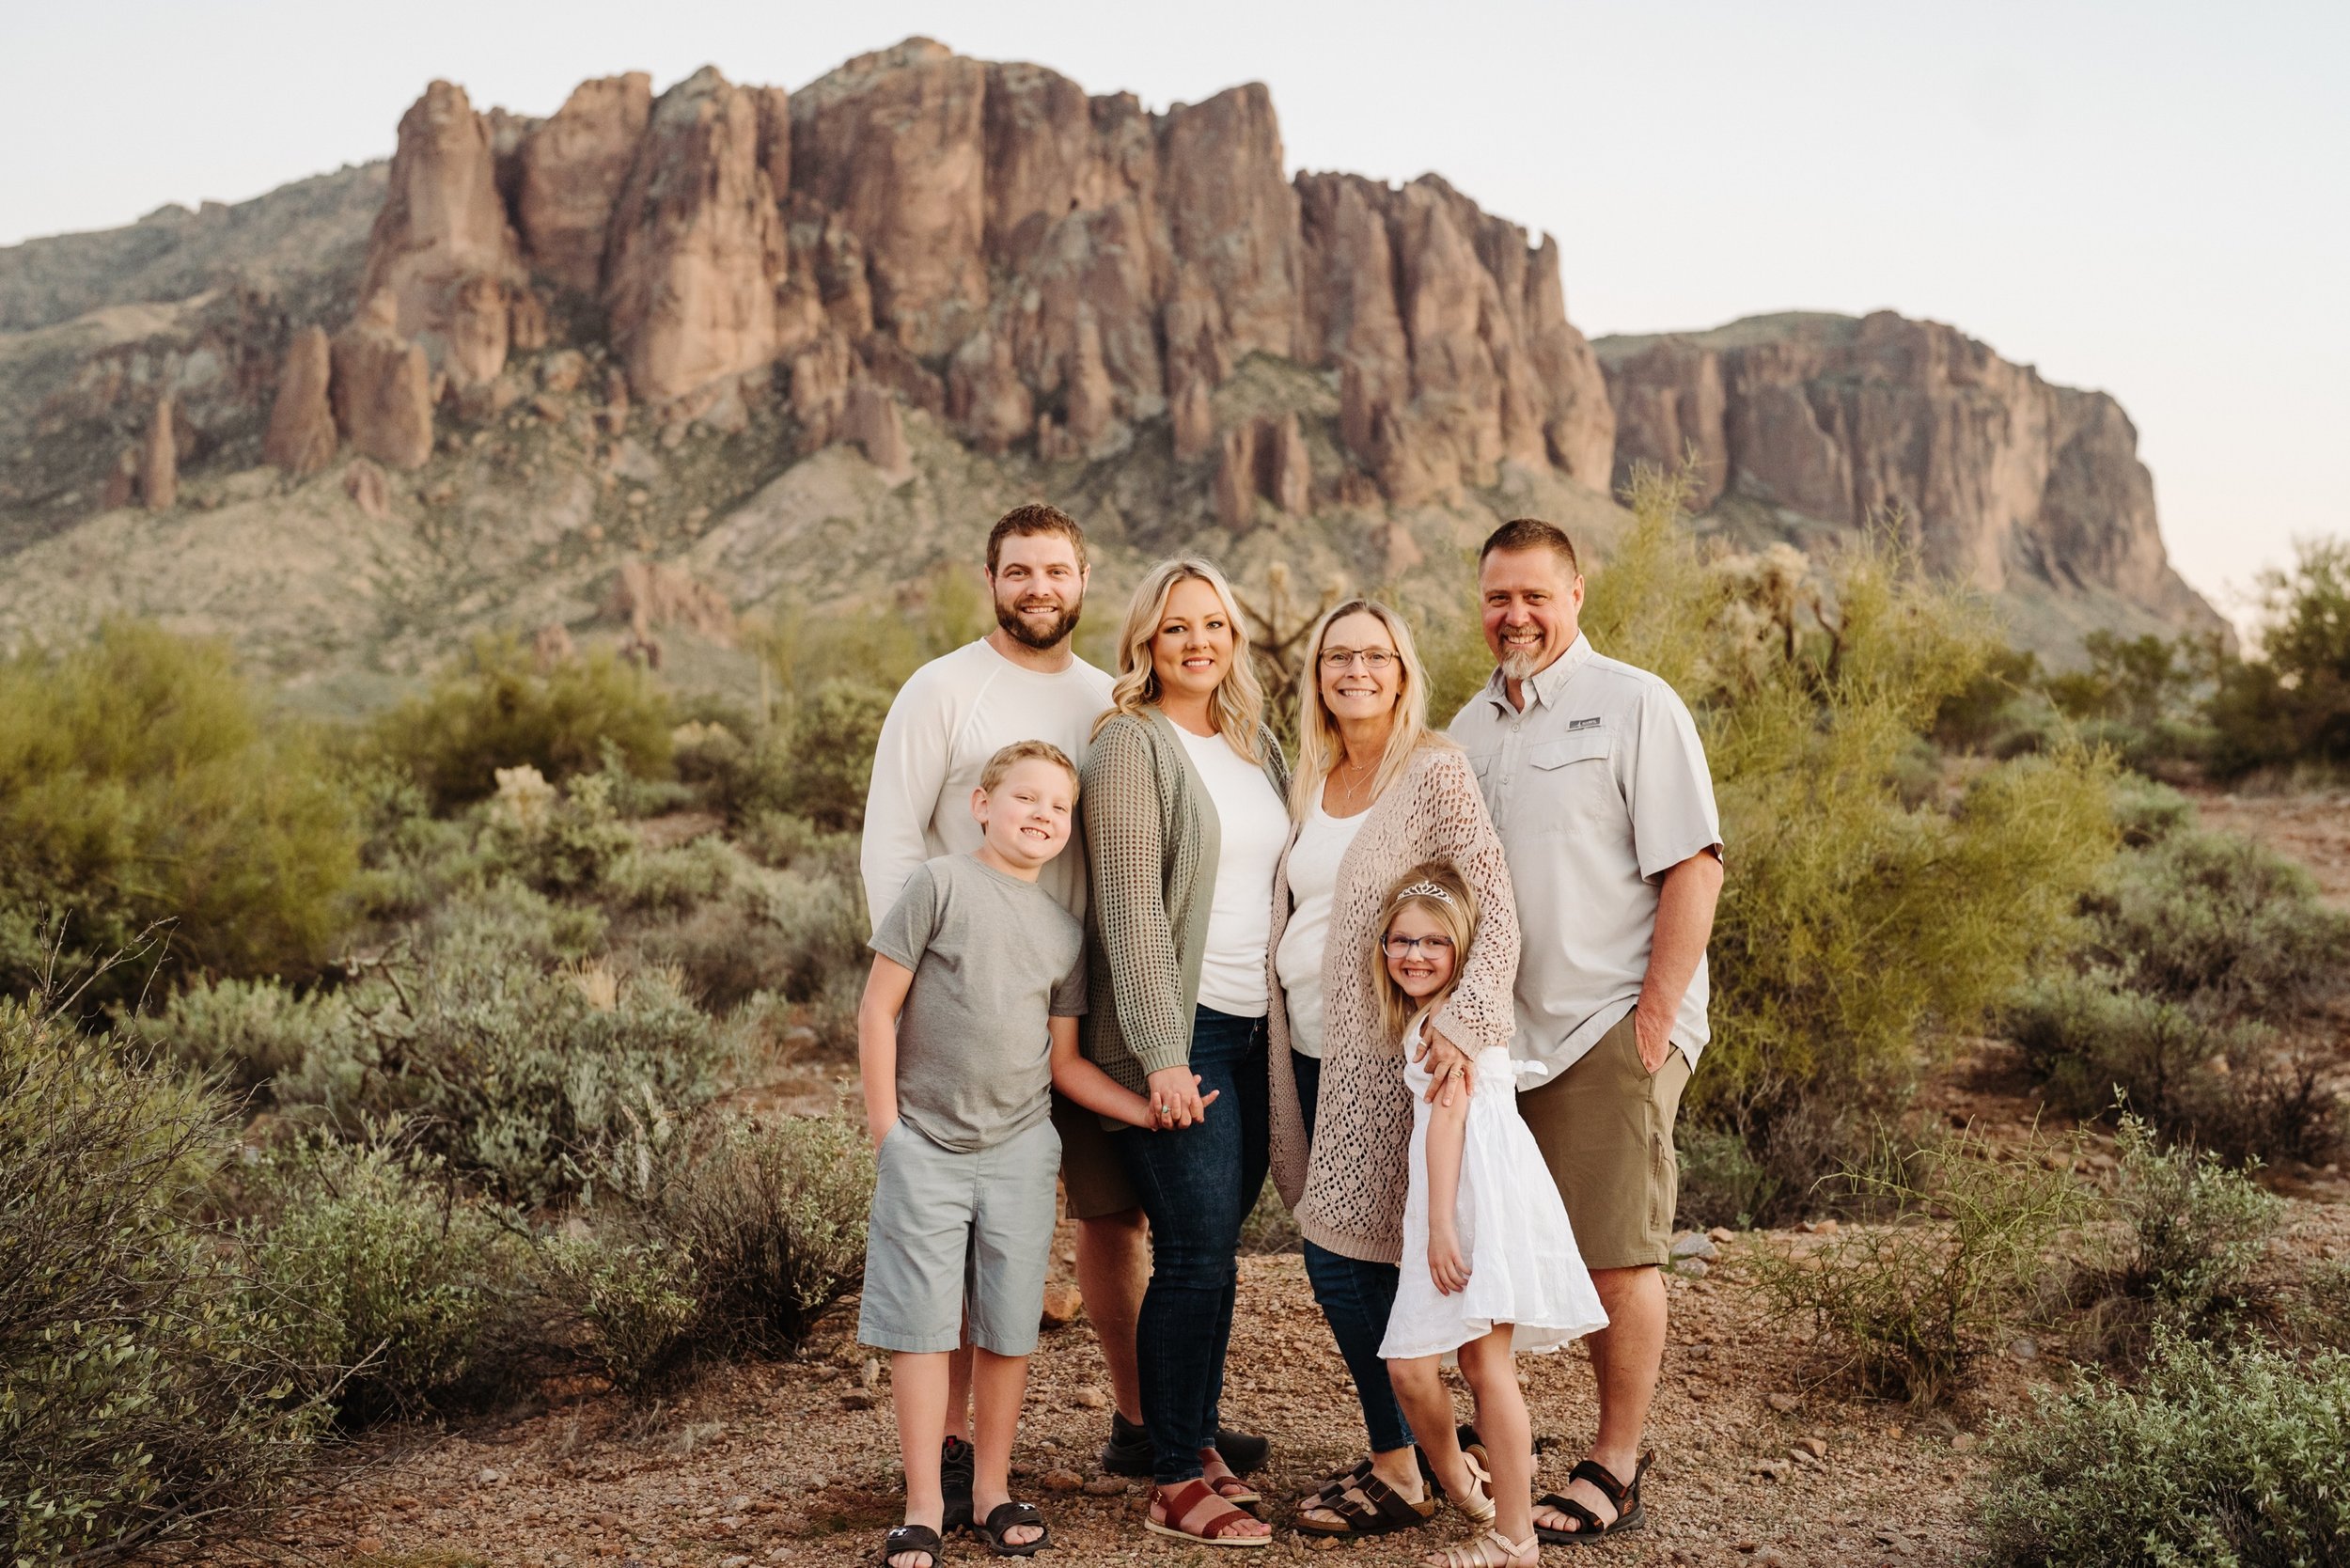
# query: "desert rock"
442 247
870 419
301 437
159 460
572 171
382 388
650 594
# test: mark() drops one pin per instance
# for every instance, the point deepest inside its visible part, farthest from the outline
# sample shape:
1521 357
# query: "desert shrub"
398 1293
141 782
2197 1230
141 1401
1991 707
2323 1315
816 764
1722 1181
2291 704
1954 1250
2146 812
1858 925
2219 921
249 1031
496 709
566 840
786 842
799 935
2215 1459
514 1074
726 1235
679 877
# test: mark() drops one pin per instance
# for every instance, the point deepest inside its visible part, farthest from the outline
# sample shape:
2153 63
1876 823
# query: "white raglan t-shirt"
949 717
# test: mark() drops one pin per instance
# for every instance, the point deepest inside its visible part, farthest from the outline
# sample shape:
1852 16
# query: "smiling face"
1530 600
1353 690
1426 969
1026 816
1040 587
1191 653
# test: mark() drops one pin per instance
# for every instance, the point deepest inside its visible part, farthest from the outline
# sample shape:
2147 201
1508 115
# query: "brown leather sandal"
1624 1495
1190 1510
1368 1506
1229 1486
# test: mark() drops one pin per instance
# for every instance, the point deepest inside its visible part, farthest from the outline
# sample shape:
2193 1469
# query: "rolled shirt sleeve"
1663 774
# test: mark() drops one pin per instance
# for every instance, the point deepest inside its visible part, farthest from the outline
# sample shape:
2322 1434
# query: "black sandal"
912 1538
956 1464
1010 1516
1624 1498
1367 1506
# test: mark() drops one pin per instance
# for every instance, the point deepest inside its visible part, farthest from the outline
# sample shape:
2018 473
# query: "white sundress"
1524 1268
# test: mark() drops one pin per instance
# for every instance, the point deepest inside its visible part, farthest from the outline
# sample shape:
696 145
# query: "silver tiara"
1424 890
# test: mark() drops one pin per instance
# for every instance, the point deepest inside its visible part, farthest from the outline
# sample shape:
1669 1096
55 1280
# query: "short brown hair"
1026 751
1036 517
1532 533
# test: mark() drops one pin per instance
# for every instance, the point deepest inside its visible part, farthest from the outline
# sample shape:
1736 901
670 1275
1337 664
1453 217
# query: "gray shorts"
956 1238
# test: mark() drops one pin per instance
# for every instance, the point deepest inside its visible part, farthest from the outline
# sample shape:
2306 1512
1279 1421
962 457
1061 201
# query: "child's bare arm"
884 997
1088 1086
1448 1131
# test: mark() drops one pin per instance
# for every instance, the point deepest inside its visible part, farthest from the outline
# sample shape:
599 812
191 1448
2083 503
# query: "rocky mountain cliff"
787 343
1801 423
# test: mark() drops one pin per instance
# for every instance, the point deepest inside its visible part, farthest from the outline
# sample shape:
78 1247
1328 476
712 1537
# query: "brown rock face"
382 389
368 487
870 419
572 168
2000 476
650 594
698 244
1263 457
442 247
301 437
159 461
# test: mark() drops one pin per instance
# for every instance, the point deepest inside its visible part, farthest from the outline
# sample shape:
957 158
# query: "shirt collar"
1547 682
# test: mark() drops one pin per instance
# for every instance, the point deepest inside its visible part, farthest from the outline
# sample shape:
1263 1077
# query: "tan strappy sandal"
1479 1553
1478 1504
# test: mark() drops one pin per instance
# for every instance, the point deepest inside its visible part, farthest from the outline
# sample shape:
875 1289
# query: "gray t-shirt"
993 959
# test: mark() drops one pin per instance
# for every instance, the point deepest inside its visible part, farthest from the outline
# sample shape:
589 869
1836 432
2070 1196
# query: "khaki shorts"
1605 1130
1090 1170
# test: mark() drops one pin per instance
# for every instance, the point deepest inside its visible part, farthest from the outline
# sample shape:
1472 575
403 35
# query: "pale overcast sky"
2148 198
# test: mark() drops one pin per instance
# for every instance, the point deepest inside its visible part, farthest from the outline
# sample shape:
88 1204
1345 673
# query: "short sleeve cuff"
1655 866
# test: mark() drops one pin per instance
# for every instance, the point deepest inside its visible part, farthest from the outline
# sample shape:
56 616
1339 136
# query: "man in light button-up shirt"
1597 783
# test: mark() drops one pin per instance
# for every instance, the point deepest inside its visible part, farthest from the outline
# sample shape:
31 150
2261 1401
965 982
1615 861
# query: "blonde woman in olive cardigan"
1184 823
1376 793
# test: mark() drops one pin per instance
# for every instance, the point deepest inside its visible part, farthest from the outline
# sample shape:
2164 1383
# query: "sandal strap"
1338 1484
1600 1476
1573 1509
1196 1508
1390 1502
912 1537
1011 1515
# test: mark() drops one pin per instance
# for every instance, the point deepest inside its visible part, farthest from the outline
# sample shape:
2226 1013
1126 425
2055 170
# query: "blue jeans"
1355 1298
1196 1184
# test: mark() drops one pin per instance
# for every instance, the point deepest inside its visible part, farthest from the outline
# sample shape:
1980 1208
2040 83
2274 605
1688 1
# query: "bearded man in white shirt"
1021 681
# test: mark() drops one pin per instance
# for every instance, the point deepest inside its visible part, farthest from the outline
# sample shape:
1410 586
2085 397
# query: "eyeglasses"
1376 660
1404 946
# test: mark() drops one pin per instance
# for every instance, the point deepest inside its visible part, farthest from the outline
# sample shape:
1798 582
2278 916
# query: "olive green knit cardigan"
1153 838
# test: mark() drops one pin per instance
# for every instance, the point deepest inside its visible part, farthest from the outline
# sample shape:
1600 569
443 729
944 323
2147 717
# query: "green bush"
568 840
2323 1314
2214 1459
2291 705
1956 1250
1865 920
2146 812
815 764
2219 921
678 878
2198 1231
727 1235
249 1031
141 1401
516 1075
398 1293
498 710
141 782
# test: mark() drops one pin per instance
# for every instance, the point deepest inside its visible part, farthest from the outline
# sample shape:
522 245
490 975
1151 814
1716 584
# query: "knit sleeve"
1483 1010
1126 839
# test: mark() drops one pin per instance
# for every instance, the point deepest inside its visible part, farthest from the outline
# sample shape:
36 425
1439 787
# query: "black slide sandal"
912 1538
1630 1515
1007 1516
956 1466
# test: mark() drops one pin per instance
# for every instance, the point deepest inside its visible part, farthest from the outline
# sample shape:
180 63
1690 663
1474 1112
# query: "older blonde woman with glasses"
1184 822
1376 792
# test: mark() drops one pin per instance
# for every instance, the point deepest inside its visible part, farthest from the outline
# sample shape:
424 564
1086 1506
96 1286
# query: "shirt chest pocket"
1574 777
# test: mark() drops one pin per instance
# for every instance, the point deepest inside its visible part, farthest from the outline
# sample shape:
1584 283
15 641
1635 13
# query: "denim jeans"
1355 1298
1196 1184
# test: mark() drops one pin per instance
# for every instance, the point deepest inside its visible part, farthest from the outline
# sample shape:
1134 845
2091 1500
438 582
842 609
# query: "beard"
1042 638
1521 664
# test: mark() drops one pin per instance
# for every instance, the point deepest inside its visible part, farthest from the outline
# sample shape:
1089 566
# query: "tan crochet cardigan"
1348 1196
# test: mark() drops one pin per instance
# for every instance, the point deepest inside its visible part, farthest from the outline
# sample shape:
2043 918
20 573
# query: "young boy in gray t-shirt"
969 1020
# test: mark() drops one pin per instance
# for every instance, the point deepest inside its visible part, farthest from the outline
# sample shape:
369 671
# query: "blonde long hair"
1318 746
1236 707
1454 910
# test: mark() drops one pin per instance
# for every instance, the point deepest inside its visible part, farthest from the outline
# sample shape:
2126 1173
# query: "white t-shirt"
1322 842
1254 826
949 717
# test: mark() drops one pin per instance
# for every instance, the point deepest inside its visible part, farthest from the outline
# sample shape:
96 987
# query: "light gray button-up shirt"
1598 787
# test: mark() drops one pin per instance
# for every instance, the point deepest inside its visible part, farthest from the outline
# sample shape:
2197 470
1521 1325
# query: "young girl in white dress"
1490 1263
